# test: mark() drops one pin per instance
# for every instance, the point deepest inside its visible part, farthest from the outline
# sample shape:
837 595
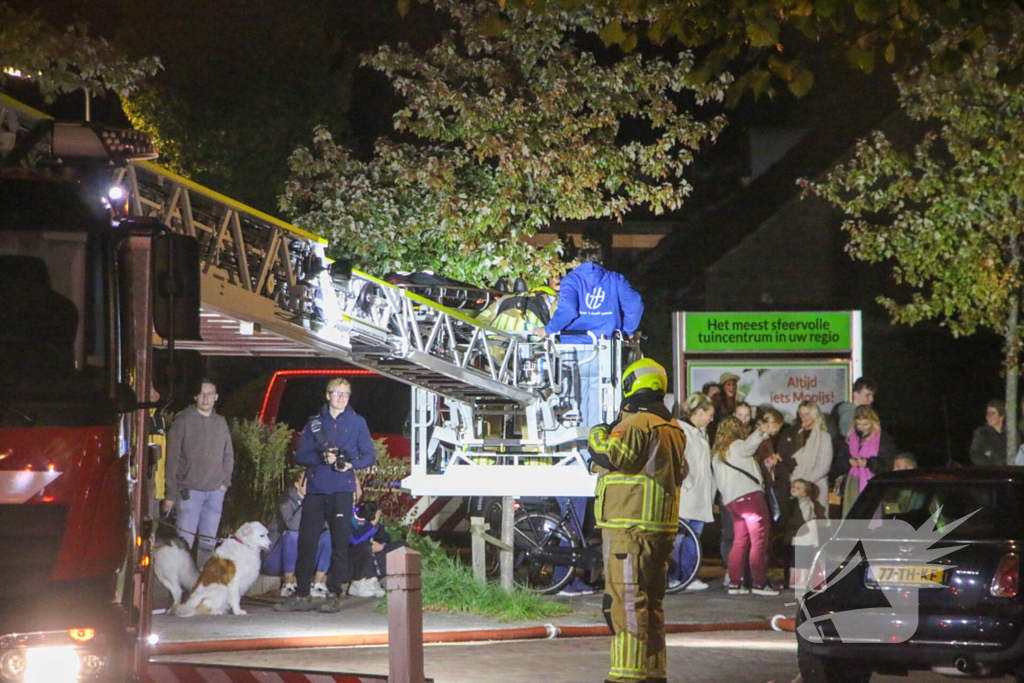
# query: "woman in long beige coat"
813 456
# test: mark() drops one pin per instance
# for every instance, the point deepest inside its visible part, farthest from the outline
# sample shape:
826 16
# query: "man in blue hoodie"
598 301
333 445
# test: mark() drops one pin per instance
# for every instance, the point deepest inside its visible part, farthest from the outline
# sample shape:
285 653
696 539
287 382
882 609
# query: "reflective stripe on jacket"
647 451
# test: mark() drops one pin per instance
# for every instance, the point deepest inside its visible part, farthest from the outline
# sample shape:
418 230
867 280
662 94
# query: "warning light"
82 635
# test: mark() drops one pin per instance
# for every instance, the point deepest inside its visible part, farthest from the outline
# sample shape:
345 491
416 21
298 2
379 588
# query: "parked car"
294 396
945 597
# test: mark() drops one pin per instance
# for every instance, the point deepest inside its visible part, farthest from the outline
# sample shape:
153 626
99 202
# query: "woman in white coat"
813 457
697 495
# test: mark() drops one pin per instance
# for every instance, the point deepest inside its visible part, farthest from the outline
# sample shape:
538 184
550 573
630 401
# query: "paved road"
757 657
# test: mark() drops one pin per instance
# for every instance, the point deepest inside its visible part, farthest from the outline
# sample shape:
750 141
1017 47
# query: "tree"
520 119
69 61
948 215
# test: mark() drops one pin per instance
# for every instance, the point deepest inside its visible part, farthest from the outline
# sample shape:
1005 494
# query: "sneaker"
331 605
697 585
374 585
736 590
296 603
674 584
288 590
319 590
572 592
361 589
764 590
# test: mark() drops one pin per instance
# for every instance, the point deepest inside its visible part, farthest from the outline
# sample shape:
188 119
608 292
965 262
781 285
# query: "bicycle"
549 548
689 535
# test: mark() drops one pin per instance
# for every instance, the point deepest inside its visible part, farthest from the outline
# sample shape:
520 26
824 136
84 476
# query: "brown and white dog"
228 574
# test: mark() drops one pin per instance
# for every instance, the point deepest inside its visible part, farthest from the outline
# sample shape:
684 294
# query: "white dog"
173 566
228 574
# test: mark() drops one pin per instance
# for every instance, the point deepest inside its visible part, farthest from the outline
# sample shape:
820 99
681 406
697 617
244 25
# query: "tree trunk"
1012 364
1012 371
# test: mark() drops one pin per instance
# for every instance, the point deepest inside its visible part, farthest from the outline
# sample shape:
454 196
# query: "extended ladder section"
486 402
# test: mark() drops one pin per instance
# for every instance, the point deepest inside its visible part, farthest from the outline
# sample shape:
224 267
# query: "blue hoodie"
347 432
596 300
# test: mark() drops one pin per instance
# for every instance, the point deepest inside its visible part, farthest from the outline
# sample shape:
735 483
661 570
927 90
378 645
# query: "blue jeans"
200 515
285 552
684 552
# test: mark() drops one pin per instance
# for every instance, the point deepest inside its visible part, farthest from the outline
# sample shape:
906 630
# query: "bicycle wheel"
685 536
544 553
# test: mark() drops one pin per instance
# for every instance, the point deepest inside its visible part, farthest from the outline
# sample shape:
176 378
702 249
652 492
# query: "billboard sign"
782 385
829 331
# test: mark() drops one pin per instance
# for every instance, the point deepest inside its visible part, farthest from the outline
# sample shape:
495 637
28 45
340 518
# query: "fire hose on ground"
546 632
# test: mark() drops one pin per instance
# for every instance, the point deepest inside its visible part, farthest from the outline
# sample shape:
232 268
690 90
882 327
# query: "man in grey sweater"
200 460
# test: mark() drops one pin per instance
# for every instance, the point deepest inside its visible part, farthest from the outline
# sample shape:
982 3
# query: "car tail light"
818 575
1004 583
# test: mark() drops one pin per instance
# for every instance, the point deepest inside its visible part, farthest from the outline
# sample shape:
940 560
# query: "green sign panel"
826 331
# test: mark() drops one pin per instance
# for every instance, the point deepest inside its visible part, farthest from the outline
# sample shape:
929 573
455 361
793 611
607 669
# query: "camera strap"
316 429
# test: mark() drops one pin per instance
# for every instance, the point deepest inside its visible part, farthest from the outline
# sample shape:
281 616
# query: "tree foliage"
769 43
947 215
60 62
516 124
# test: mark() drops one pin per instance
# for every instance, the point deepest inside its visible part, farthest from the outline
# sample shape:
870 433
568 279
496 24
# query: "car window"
383 402
996 506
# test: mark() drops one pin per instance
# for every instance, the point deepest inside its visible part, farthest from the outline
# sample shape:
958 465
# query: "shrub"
382 483
259 476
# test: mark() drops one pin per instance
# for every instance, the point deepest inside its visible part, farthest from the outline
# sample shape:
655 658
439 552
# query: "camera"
340 458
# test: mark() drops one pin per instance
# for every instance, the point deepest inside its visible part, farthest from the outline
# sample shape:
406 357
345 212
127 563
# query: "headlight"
52 665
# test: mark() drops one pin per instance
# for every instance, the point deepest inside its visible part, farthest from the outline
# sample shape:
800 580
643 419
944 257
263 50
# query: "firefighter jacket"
645 452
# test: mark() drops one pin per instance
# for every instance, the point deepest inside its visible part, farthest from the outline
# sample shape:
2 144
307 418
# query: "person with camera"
333 445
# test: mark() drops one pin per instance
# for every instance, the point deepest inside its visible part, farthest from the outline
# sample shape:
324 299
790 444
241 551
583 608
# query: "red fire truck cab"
76 324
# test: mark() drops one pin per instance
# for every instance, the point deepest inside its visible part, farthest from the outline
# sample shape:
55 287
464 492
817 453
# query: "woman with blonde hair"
697 496
739 479
813 457
869 452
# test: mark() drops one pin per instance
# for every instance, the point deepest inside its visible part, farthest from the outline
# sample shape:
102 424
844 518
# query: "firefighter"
641 464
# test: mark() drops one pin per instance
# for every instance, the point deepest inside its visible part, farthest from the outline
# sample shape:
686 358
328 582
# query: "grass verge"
449 586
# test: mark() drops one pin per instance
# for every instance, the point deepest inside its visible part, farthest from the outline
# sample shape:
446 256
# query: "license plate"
905 575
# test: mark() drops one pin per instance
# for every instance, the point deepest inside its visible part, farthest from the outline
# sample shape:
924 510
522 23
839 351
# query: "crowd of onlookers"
770 477
765 478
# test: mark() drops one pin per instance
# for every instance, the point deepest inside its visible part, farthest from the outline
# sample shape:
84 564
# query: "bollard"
405 617
479 546
508 518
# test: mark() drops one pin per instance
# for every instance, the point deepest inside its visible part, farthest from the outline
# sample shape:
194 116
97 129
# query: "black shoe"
331 605
296 603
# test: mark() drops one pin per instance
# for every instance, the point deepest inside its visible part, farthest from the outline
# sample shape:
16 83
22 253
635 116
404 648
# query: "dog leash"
191 533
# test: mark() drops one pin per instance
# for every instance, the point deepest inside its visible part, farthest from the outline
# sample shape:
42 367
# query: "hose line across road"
547 631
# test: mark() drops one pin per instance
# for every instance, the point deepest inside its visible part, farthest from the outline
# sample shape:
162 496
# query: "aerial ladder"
482 419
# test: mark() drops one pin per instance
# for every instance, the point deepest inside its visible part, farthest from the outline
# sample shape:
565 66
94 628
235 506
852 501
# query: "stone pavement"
707 657
362 615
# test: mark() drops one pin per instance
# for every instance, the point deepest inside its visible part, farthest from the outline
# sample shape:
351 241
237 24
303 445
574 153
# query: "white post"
479 545
405 617
508 518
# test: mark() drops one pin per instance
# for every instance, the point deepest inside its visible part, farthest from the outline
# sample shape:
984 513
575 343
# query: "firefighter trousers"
635 565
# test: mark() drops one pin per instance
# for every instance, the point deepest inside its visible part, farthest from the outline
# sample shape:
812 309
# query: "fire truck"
81 289
106 259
